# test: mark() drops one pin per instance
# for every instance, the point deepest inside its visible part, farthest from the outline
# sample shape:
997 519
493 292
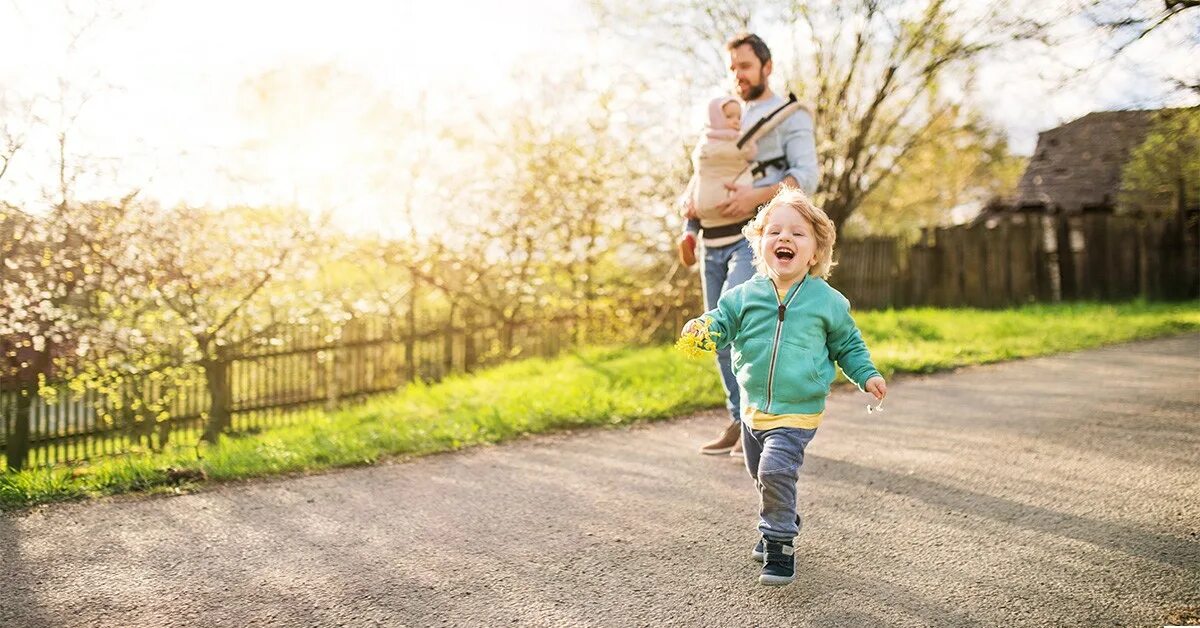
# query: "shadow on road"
1170 550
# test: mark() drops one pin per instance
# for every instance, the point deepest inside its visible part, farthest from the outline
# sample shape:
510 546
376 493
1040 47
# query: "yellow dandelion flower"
698 344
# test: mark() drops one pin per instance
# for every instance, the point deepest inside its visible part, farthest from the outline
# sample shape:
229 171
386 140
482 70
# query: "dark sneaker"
779 564
757 552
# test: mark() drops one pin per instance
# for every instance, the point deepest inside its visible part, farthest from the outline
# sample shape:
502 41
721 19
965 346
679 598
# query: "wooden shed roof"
1077 166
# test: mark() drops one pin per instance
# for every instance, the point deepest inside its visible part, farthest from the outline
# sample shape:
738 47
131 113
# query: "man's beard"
754 91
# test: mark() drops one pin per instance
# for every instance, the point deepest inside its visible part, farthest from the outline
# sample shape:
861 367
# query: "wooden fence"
1026 258
1008 261
302 367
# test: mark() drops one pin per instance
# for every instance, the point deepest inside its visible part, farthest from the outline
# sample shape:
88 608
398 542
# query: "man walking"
787 155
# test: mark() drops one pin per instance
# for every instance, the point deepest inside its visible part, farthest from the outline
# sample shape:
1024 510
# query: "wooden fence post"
956 259
1174 258
1068 288
1095 246
1040 257
1020 263
469 356
448 334
974 265
1123 258
1146 270
922 260
1190 255
903 274
331 375
410 342
939 284
999 263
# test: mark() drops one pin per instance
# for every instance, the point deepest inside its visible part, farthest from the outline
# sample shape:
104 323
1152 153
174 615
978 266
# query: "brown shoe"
687 249
725 442
737 452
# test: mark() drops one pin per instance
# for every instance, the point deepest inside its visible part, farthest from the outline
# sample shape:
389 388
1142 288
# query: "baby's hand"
876 386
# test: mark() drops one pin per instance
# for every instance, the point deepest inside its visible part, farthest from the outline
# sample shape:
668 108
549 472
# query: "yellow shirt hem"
758 420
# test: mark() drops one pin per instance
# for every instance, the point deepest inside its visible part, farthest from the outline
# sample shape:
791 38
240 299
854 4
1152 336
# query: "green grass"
927 340
594 387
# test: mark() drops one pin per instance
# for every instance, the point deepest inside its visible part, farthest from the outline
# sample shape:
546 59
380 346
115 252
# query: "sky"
173 109
167 80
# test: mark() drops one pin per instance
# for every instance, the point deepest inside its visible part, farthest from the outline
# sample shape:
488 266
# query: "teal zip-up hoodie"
784 350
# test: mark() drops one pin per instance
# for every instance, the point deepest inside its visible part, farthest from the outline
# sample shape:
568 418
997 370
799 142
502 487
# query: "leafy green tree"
199 286
50 280
1163 173
877 72
964 165
576 205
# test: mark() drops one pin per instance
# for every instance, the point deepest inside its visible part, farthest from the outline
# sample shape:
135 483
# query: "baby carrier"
721 162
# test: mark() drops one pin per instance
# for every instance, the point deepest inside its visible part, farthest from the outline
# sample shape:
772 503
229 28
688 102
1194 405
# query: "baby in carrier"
716 161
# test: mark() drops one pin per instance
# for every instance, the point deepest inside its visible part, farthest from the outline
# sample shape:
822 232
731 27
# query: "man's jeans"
725 267
773 458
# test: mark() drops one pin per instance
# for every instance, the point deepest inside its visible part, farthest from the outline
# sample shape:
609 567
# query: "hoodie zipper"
778 331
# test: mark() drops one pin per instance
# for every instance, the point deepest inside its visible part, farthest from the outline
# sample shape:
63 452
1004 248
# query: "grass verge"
592 387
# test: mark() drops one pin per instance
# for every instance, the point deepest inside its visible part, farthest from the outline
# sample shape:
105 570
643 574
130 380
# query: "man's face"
749 75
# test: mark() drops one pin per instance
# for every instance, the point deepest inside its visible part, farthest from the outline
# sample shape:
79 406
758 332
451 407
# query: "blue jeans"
725 267
773 458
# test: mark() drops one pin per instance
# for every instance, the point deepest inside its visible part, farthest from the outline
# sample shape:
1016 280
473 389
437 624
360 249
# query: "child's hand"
694 327
876 386
696 339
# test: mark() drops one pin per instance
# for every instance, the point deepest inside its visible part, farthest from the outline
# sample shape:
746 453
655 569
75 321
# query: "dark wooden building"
1077 167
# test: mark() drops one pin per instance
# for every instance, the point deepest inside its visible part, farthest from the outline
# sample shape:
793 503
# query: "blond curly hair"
824 230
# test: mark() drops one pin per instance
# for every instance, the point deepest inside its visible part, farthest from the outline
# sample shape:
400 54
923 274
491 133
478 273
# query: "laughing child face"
789 245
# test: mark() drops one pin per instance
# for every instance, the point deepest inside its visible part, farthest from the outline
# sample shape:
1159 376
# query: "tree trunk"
216 372
507 337
164 434
838 209
17 449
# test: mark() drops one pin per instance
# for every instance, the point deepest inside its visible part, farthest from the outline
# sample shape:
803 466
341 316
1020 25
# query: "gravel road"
1047 492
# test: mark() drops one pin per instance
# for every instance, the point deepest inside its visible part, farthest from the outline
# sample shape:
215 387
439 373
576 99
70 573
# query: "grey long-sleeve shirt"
792 139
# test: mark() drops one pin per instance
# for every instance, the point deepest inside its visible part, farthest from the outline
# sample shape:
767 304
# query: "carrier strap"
724 230
760 168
